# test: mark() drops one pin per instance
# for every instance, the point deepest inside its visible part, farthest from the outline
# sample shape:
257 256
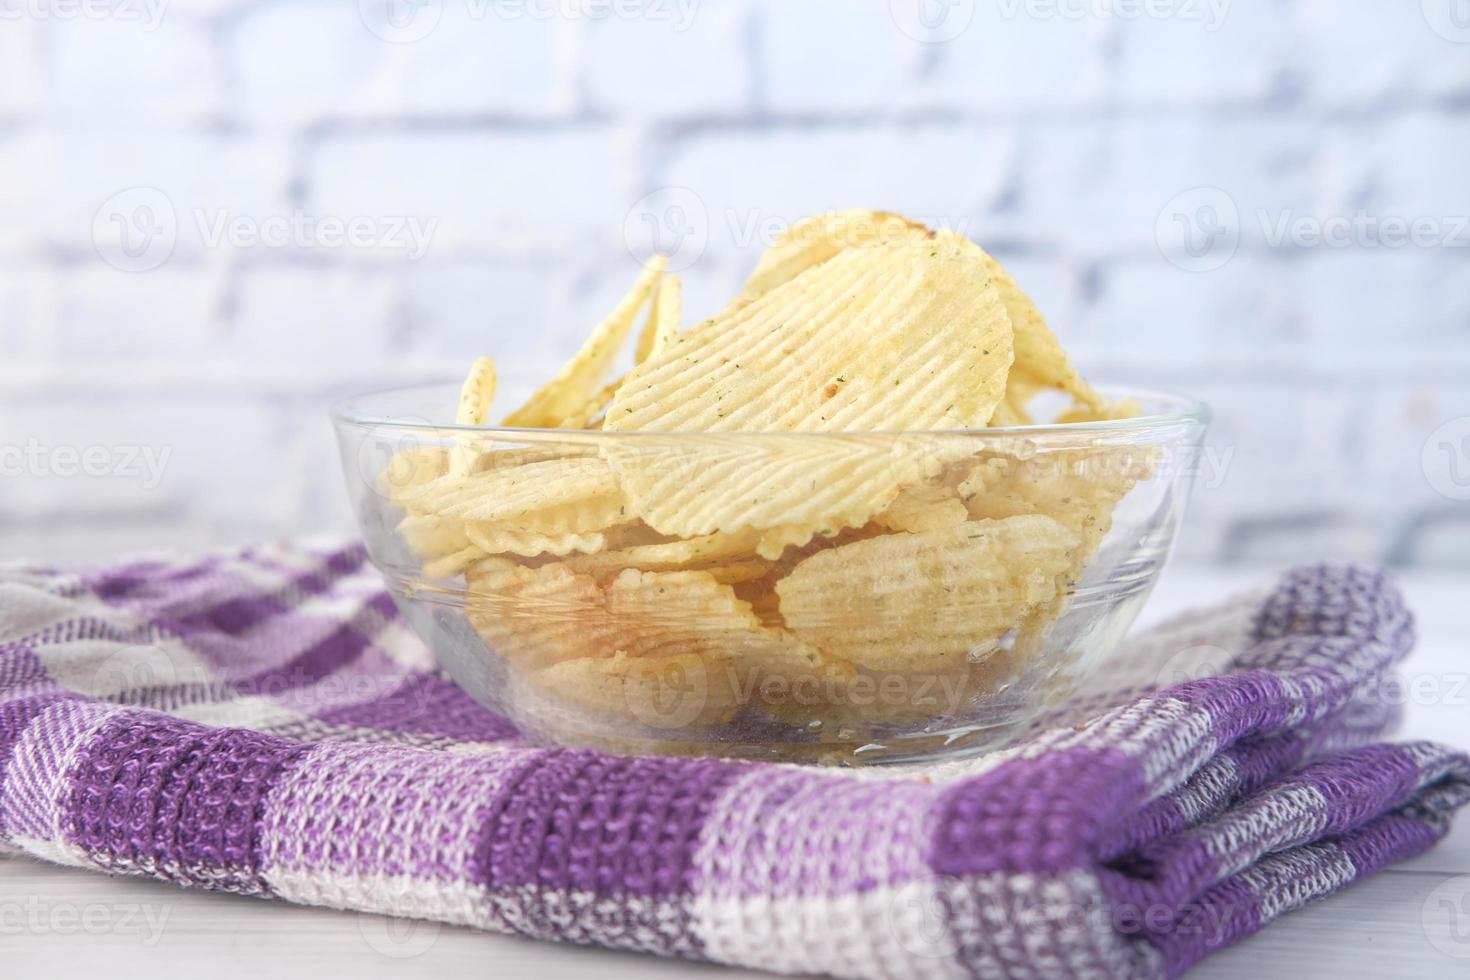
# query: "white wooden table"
1411 921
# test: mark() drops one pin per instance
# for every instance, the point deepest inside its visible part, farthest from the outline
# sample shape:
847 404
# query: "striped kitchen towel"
264 722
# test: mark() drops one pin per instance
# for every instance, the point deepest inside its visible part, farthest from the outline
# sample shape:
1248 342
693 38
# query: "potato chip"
493 539
638 612
923 509
433 535
924 601
410 470
663 319
669 556
814 240
475 398
1040 360
900 335
448 566
578 493
579 379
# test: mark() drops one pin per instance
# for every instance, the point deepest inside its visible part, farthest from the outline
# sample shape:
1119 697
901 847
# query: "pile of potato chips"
785 517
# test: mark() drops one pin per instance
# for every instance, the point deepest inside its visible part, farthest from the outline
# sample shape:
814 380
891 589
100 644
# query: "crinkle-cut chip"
1079 488
775 541
545 616
1040 358
665 693
658 333
494 539
493 456
924 601
920 509
534 617
1111 411
579 379
663 319
410 470
475 398
899 335
448 566
1008 413
517 494
736 572
814 240
432 536
668 556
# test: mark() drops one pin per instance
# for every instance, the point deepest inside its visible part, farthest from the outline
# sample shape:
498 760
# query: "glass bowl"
845 598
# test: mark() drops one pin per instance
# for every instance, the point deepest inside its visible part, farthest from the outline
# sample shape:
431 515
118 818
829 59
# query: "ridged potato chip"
925 601
564 494
493 539
1040 360
574 634
814 240
581 377
899 335
663 319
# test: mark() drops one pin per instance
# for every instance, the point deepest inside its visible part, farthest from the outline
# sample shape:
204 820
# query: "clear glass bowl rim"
1179 409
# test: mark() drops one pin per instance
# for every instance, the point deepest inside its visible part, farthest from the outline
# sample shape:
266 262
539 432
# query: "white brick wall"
531 142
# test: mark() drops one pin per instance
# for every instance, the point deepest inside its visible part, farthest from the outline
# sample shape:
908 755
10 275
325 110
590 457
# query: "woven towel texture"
263 722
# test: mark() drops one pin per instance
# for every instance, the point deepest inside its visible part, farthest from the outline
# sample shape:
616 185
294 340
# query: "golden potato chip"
494 539
668 692
924 601
577 493
899 335
668 556
552 616
663 319
580 378
448 566
412 469
475 398
433 536
662 324
1040 359
923 509
814 240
